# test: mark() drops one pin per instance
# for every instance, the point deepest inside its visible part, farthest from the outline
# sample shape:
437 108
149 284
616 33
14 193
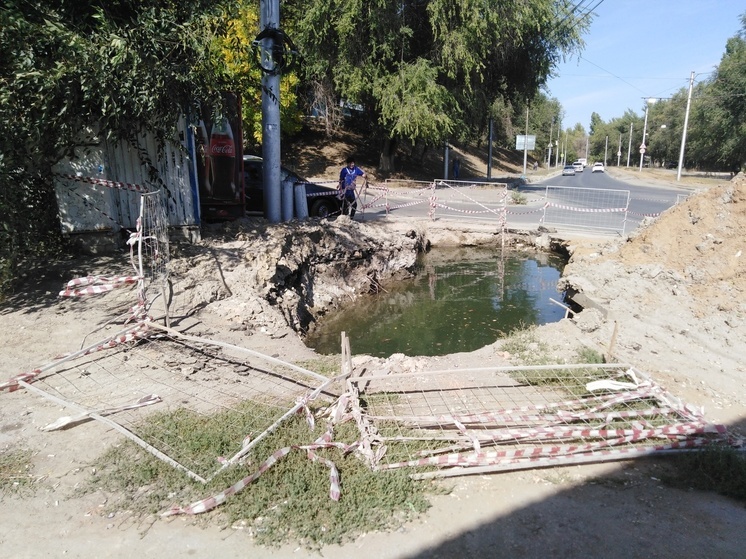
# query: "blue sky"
637 49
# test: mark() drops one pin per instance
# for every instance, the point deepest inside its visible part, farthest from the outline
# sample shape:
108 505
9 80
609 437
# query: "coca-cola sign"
224 147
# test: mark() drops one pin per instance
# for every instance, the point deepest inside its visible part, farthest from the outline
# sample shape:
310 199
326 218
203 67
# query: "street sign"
642 149
521 143
619 154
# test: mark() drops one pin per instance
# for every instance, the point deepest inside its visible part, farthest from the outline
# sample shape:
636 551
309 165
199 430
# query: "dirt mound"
671 298
702 240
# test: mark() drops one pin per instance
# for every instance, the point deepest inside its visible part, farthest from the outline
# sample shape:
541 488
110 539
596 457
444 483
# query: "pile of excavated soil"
671 298
703 241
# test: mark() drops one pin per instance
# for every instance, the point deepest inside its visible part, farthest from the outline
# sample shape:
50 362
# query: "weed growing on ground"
15 470
518 198
525 346
327 365
716 468
589 355
289 502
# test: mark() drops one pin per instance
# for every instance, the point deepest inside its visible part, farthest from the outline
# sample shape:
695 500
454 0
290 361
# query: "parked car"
578 166
323 201
568 171
598 167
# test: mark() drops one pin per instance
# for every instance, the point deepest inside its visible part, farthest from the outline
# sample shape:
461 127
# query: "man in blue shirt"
347 177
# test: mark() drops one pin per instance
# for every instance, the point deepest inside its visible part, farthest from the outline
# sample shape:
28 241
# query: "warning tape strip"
96 285
137 333
534 454
210 503
445 207
589 210
645 215
538 434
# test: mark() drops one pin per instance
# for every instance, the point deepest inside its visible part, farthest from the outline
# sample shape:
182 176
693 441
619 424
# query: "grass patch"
518 198
15 471
717 468
525 346
589 355
327 365
289 502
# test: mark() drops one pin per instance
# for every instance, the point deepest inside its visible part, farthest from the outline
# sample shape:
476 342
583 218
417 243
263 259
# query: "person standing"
456 167
347 176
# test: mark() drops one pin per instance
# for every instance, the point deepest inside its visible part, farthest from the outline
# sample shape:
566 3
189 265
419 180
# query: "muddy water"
460 300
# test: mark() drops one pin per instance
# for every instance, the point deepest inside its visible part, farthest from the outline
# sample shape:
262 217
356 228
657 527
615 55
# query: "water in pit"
460 300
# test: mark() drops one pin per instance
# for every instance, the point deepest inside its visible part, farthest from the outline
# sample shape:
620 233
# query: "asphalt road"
579 202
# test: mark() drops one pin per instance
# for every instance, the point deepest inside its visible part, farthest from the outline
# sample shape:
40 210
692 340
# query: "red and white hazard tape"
210 503
487 211
644 215
537 210
588 210
96 285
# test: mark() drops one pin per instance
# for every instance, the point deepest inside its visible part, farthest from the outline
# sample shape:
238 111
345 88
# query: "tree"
76 70
428 69
718 138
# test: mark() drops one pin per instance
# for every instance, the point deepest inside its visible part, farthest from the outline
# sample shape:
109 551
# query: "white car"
578 166
598 168
568 171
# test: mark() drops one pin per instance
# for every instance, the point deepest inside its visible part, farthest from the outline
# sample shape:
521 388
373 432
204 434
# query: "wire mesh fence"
492 419
177 380
587 208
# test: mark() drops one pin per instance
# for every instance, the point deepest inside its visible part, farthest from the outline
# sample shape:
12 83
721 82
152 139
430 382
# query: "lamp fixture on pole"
648 102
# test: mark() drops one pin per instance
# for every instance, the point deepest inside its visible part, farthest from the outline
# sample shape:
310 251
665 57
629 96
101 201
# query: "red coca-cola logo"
223 146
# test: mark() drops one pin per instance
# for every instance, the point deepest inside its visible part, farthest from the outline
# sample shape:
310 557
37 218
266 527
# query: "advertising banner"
219 161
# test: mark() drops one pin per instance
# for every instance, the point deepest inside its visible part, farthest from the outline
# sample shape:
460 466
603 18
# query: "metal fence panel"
590 208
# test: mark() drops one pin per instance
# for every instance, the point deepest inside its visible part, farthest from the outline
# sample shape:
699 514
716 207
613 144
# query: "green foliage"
716 468
518 198
289 502
15 471
589 355
72 72
432 70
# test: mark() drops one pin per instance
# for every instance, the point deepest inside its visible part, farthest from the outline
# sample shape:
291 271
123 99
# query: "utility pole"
445 161
686 123
525 145
556 144
619 151
606 150
269 18
551 132
489 152
629 147
564 151
644 133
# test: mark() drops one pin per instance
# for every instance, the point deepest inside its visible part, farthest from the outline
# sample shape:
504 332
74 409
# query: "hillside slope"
315 155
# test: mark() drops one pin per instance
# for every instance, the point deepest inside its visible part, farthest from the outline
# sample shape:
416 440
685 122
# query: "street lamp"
649 102
686 123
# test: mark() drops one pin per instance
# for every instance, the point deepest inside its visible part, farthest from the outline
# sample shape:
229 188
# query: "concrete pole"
445 161
489 151
644 133
629 147
556 145
525 145
269 17
606 150
619 151
686 123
